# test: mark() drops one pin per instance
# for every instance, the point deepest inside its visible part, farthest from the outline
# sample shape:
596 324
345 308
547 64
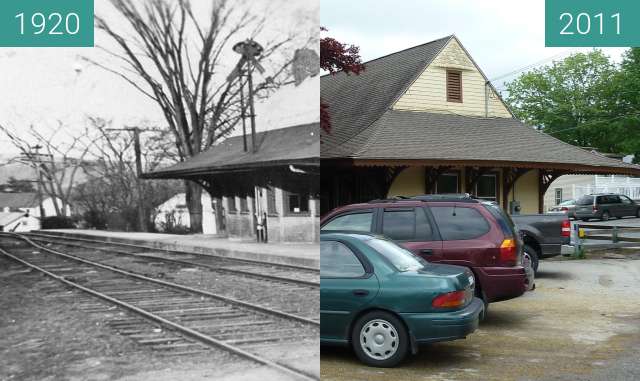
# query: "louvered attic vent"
454 86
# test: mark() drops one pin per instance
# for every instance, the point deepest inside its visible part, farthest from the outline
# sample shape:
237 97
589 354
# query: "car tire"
533 257
482 296
388 332
605 216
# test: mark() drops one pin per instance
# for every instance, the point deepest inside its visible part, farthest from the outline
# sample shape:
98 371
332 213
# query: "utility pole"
37 148
142 222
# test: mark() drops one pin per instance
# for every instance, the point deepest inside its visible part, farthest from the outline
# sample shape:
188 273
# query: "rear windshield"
402 259
506 223
585 200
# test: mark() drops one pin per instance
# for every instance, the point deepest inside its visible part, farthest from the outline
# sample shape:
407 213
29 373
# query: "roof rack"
458 197
391 199
451 197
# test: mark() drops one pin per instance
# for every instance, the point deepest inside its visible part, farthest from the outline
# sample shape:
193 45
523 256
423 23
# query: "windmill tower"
250 52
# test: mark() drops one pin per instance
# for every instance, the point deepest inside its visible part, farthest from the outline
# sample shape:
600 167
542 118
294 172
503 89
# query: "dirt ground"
45 335
582 320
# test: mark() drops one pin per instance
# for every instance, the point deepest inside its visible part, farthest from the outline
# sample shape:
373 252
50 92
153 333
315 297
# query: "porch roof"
297 145
406 138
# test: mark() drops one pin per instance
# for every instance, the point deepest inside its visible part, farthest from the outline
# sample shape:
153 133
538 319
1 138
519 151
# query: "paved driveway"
582 322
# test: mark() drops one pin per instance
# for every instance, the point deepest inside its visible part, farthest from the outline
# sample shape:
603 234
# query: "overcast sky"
501 35
43 85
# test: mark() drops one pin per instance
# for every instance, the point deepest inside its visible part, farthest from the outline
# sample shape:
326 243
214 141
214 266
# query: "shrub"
58 222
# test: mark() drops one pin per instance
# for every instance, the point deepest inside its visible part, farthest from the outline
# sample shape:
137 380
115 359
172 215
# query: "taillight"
564 209
509 251
595 208
566 228
449 300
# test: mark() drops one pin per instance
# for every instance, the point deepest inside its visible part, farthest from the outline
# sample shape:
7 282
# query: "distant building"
18 222
574 186
28 203
174 212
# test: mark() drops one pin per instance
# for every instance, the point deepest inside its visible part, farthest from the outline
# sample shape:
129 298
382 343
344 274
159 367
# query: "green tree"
624 103
574 100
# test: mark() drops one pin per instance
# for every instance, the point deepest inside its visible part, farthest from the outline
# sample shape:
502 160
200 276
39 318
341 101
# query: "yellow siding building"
427 120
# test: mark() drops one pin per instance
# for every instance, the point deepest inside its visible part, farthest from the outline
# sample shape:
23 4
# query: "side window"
353 221
626 200
338 261
406 225
459 223
614 200
602 200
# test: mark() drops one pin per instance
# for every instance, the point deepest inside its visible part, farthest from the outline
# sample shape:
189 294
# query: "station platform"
303 254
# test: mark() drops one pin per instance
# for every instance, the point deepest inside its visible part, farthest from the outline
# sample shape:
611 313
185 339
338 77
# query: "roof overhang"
212 171
568 168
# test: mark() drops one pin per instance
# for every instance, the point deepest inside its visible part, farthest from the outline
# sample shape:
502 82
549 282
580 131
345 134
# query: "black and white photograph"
159 196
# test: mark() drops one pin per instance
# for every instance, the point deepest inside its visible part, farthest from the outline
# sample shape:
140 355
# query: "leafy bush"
173 225
94 219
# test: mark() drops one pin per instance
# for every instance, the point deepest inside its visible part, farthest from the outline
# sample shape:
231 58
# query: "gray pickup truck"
543 235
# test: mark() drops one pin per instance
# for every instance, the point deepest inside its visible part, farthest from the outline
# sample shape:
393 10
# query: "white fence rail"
631 191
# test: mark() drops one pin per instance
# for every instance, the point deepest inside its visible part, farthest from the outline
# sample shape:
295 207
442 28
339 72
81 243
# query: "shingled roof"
366 129
297 145
18 200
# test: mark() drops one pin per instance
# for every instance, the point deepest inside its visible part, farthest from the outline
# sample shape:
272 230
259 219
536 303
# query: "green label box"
592 23
46 23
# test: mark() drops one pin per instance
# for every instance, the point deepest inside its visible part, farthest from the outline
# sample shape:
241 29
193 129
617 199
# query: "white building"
174 212
27 202
574 186
18 222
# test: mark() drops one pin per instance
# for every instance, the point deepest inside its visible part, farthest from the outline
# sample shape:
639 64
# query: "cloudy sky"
501 35
43 85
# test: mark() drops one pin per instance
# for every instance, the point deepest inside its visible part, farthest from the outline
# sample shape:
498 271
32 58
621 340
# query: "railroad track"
252 268
249 331
294 297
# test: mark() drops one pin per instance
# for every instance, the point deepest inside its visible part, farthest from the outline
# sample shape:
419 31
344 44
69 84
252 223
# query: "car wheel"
605 216
482 296
380 339
531 254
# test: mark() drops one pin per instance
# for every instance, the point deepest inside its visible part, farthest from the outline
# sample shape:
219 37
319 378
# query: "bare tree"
110 194
176 60
59 162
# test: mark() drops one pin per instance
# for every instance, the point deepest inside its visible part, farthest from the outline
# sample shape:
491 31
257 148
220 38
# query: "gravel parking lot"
581 322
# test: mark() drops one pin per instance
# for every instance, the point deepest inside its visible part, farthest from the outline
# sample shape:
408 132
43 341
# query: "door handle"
426 251
360 292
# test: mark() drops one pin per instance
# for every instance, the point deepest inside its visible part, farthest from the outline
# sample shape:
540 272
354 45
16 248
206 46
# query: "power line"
591 122
538 63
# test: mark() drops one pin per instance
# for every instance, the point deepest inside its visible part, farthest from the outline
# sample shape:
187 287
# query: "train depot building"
272 194
427 120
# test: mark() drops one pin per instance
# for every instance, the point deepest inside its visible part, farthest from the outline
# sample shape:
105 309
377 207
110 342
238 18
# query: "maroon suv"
455 229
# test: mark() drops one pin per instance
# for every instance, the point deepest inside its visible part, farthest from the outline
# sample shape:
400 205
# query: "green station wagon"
384 301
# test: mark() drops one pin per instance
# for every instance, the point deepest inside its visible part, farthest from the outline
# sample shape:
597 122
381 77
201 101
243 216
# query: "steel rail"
262 309
252 261
56 240
205 339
